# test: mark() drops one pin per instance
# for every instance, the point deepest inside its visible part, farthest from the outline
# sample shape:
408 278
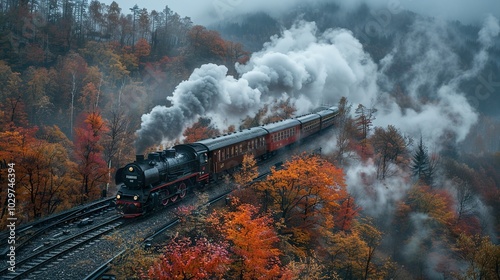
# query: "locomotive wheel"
164 198
182 190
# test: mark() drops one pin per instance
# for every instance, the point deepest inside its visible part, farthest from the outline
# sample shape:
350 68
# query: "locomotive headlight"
131 169
118 196
136 197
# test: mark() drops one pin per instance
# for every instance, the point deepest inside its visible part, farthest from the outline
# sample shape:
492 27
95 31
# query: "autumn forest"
378 202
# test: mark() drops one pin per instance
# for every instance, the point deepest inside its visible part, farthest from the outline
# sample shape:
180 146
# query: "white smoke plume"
315 68
310 68
207 91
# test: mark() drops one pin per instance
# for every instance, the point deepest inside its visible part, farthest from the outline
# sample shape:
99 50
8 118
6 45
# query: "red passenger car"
281 134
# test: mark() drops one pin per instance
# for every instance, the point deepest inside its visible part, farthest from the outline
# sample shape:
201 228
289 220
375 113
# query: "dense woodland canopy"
76 76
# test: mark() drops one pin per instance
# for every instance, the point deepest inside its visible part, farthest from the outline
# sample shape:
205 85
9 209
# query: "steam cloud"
300 64
314 68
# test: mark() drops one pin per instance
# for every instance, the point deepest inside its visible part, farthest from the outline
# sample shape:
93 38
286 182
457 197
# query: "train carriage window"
241 149
223 155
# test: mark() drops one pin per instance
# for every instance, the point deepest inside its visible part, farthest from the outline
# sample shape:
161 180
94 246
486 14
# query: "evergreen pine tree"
420 163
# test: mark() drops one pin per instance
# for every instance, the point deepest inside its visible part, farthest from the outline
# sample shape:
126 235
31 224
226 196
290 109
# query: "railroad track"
25 234
43 256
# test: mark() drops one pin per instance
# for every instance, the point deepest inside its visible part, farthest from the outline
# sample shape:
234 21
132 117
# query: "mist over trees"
379 203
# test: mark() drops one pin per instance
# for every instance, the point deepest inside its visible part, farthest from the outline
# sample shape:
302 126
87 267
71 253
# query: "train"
163 177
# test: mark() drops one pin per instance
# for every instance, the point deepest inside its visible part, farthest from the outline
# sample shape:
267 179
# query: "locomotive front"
147 184
133 181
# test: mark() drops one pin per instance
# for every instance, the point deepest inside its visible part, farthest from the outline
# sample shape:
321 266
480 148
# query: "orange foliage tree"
199 131
205 44
47 178
481 255
44 173
352 254
16 142
438 204
305 193
142 49
252 240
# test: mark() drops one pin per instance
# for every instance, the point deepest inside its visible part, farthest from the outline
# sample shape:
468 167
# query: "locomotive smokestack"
139 158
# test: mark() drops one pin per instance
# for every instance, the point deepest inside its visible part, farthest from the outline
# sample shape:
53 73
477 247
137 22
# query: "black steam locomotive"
164 177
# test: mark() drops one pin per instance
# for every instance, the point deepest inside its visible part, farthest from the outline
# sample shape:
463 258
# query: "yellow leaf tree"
248 170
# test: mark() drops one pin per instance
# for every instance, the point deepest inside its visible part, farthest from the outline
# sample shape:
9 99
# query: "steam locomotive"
164 176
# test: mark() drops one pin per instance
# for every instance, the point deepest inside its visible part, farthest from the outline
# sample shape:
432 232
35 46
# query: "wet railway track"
43 256
26 234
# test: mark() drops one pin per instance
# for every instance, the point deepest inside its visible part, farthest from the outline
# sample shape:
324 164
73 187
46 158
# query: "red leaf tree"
88 155
185 260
